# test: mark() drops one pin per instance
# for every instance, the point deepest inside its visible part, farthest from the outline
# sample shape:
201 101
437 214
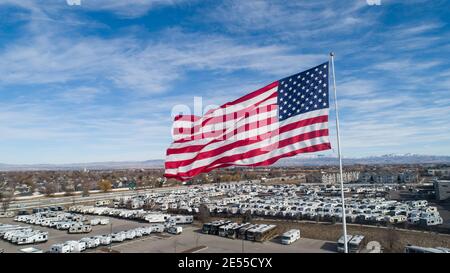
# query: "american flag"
282 119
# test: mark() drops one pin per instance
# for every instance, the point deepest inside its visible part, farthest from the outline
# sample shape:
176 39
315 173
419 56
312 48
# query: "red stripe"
229 116
188 175
282 129
191 118
245 113
250 153
251 95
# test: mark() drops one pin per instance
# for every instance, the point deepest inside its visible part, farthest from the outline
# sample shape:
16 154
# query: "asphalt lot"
191 238
60 236
167 243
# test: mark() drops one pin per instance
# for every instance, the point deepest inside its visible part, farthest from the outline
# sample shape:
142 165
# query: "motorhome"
104 239
356 243
290 236
341 242
30 238
175 230
181 219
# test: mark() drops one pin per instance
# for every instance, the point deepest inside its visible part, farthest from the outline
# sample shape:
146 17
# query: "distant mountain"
303 160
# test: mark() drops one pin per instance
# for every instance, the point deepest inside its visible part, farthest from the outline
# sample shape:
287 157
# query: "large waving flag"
282 119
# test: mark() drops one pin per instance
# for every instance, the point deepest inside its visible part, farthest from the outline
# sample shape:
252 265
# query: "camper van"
290 236
175 230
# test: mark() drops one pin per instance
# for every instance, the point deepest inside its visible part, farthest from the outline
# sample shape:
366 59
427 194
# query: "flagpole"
344 224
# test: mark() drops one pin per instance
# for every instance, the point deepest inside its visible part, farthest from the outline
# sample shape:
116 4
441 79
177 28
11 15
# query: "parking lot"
189 241
60 236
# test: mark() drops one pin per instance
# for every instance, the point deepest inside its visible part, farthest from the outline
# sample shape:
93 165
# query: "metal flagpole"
344 224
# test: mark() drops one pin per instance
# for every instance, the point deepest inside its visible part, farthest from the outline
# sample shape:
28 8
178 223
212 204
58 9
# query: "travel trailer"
181 219
80 228
175 230
60 248
76 246
118 237
290 236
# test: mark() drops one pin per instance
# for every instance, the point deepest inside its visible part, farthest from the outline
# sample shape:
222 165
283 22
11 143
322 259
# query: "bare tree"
50 189
203 213
6 199
105 185
247 217
391 238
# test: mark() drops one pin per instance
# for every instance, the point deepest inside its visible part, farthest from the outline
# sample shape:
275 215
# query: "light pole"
110 236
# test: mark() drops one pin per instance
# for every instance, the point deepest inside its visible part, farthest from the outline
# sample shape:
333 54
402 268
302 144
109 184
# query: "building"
439 172
333 178
442 189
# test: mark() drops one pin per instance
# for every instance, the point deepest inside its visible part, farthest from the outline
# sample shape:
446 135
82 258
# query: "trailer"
60 248
31 250
156 218
76 246
118 237
233 232
175 230
104 239
80 228
290 236
181 219
157 228
30 238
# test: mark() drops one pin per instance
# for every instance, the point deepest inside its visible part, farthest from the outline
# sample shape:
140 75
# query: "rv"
290 236
118 237
60 248
175 230
104 239
418 249
80 229
157 228
31 250
63 225
356 243
340 243
76 246
213 227
30 238
233 232
182 219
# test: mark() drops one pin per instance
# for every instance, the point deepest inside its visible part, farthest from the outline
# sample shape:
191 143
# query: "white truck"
290 236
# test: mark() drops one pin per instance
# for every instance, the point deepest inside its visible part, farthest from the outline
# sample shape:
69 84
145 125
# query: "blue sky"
97 82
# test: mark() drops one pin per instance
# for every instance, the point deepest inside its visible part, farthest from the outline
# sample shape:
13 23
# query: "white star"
290 97
303 87
303 96
303 104
324 84
320 81
311 102
325 66
294 99
320 72
298 77
293 108
324 104
324 94
289 106
290 88
320 100
320 91
303 79
315 87
307 99
316 78
307 81
315 96
298 110
284 111
324 75
290 79
281 99
315 105
289 114
307 73
298 102
312 75
298 85
307 108
285 85
316 69
282 82
295 82
285 102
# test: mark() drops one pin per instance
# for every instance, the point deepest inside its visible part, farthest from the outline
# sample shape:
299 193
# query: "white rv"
80 229
175 230
356 243
118 237
290 236
76 246
60 248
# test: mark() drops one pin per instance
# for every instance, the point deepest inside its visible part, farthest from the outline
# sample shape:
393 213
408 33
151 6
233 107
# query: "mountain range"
303 160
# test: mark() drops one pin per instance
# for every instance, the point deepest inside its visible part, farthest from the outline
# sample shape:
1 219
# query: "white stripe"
230 125
311 114
259 158
243 148
229 109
